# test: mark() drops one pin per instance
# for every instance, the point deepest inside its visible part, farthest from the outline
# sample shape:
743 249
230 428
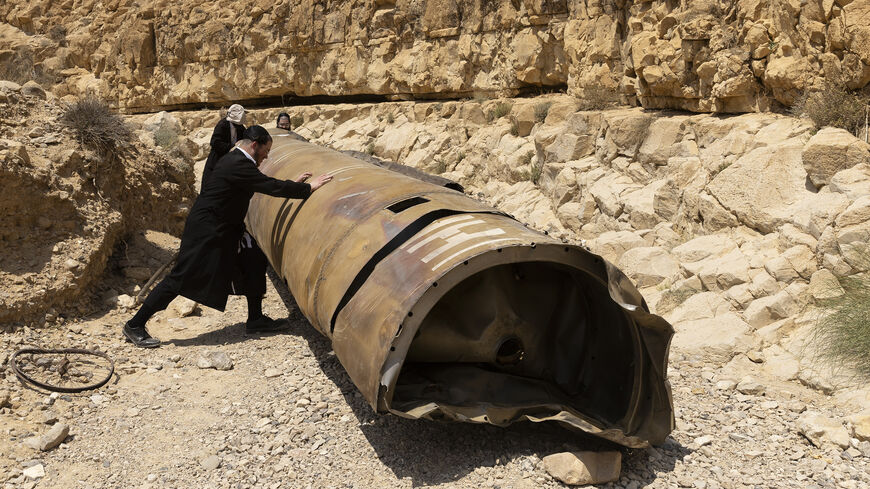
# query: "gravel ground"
287 415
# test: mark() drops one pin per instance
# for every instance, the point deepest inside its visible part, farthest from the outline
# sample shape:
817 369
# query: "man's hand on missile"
303 177
320 181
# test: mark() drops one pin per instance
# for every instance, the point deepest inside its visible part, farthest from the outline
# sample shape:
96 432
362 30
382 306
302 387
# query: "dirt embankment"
65 208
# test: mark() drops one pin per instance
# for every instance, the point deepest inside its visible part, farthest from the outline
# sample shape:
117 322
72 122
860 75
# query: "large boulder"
721 336
831 150
760 186
649 266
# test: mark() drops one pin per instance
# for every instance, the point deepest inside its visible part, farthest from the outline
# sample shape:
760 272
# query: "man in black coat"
226 133
203 271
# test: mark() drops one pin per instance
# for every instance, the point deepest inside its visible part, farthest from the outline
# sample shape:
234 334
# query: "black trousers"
249 277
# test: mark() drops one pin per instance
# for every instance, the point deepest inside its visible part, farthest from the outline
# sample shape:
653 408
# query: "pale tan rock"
703 247
582 468
639 204
766 310
720 337
857 212
853 182
763 284
860 425
780 363
790 235
715 217
705 305
33 89
648 266
824 285
607 191
523 116
612 245
739 295
831 150
724 271
182 307
761 185
821 430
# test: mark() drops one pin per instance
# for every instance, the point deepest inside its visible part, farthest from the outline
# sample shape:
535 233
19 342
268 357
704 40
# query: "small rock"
861 425
126 301
33 89
703 440
749 386
726 385
216 360
5 399
210 463
34 472
820 429
755 356
54 437
272 372
71 264
579 468
183 307
175 358
49 417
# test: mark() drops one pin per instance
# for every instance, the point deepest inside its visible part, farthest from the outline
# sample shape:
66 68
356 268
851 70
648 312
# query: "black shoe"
140 337
265 324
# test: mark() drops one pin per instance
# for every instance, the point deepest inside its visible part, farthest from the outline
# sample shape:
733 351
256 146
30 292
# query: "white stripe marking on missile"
444 233
459 239
476 245
435 226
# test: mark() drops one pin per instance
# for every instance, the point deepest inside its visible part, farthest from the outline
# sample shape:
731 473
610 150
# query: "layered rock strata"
704 56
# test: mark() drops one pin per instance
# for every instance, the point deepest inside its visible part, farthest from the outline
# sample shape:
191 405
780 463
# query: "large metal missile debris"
441 307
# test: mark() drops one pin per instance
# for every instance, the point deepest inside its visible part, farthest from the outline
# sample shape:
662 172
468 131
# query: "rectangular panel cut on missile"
441 307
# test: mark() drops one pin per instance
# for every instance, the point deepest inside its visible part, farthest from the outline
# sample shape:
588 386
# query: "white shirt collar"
246 154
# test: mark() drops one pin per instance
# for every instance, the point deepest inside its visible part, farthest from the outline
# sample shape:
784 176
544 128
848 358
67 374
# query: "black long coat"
204 269
221 143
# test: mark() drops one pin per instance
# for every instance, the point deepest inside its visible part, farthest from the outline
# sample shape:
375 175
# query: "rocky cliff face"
706 55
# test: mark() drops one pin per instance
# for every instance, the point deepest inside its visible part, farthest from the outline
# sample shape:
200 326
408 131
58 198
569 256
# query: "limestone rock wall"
705 55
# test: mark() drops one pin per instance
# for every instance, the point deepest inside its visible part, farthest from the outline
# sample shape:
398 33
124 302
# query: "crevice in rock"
291 100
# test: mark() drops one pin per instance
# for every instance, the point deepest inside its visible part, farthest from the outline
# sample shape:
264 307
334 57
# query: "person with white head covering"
226 133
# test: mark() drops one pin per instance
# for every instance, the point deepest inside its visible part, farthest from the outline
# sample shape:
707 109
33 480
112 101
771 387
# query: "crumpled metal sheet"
440 307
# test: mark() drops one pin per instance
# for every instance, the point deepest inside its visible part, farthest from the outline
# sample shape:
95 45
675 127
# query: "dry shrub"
296 121
599 98
166 137
842 332
541 110
502 109
96 125
834 106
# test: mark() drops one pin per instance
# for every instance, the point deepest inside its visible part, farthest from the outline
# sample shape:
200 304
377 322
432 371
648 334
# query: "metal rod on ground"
153 278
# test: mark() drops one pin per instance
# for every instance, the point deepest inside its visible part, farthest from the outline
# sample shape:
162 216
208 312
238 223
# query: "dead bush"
834 106
541 111
96 125
599 98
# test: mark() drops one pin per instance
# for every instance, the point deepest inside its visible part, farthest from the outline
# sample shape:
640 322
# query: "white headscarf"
235 113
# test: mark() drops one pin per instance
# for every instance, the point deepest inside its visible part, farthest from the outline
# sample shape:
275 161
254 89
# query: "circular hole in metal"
434 284
510 351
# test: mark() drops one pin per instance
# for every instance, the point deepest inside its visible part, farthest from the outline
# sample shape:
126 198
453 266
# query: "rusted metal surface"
443 308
